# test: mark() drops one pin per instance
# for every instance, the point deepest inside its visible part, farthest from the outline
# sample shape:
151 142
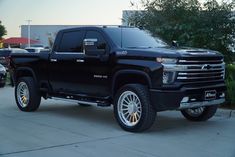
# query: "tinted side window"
101 44
71 42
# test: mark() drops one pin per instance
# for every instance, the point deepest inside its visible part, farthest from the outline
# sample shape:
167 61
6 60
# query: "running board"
97 103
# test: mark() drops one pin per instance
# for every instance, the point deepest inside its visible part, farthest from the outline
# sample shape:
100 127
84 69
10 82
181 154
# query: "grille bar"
200 73
200 61
194 78
200 70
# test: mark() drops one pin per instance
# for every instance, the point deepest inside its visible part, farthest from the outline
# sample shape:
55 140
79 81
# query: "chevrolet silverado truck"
126 67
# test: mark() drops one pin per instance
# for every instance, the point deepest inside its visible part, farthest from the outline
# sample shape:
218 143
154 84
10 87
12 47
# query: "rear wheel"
199 114
27 94
132 108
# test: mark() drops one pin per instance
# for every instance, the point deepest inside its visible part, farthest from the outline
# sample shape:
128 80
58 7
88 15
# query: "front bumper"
175 99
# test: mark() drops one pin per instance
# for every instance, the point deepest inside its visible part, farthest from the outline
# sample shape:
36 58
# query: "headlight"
168 73
167 60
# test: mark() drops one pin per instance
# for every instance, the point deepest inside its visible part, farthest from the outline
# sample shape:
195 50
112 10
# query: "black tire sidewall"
208 113
34 96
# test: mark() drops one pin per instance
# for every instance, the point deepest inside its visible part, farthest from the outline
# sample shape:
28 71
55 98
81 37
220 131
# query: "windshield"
134 38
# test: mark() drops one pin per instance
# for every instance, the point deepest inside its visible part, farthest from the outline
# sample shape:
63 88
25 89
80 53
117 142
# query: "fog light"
222 95
168 77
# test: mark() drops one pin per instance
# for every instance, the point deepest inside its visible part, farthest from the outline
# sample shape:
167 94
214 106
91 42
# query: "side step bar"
97 103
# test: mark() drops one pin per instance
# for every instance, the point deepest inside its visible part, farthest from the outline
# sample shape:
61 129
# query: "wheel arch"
124 77
24 72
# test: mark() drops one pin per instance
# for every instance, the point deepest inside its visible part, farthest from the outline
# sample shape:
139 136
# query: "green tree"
2 30
209 25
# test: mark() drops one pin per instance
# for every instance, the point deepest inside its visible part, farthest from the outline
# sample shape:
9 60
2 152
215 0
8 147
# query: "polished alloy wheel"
195 112
129 108
23 94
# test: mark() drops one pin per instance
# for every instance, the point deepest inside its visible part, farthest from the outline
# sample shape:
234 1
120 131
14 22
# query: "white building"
43 33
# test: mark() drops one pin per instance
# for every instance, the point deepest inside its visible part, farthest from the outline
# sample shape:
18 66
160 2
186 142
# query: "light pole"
29 32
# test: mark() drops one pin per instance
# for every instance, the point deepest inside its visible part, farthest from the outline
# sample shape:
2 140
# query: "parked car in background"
6 53
37 45
5 57
3 75
34 49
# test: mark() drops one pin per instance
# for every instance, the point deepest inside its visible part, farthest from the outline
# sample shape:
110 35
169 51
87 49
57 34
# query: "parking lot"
66 129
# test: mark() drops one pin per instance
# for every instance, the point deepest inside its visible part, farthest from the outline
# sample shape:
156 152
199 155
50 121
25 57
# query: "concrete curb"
225 113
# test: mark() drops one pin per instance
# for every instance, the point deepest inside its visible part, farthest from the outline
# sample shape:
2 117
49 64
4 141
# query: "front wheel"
200 113
132 108
27 94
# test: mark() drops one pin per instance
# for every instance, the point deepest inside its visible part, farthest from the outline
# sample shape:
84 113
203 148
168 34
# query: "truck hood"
171 52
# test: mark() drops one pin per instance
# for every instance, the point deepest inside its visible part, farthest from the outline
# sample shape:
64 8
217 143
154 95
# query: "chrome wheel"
195 112
23 94
129 108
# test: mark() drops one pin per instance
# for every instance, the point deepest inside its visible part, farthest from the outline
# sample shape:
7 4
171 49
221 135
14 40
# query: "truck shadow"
169 121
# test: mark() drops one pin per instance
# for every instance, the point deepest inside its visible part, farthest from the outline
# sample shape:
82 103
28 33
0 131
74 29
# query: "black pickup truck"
126 67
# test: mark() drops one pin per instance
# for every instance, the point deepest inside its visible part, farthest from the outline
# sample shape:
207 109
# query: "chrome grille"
203 69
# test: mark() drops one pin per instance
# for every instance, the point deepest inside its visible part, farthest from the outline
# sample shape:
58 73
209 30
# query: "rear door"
68 71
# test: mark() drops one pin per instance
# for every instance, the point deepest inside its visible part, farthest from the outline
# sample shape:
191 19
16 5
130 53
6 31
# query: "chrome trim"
80 60
191 67
53 60
68 53
200 61
75 101
200 77
184 105
204 73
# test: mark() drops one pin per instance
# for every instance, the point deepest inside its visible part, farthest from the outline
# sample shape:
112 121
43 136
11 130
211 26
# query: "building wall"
43 33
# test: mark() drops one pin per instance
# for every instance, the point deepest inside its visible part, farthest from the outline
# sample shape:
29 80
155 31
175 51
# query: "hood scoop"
196 52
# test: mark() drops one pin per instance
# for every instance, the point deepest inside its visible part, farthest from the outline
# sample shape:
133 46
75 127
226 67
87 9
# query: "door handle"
53 60
80 61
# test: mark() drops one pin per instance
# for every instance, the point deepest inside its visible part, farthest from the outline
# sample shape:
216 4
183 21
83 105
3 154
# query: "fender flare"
128 72
24 69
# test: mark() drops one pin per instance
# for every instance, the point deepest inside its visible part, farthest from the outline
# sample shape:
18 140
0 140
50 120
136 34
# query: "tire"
205 114
142 112
30 99
2 85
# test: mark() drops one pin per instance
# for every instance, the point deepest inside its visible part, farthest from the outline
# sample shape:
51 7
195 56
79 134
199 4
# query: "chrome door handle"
80 60
53 60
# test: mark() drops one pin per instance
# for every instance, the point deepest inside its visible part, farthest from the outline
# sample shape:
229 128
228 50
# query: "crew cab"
126 67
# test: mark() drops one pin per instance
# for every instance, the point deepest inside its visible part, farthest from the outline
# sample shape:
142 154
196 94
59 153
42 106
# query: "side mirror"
90 47
175 43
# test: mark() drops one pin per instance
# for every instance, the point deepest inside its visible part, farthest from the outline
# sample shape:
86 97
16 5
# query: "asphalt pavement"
64 129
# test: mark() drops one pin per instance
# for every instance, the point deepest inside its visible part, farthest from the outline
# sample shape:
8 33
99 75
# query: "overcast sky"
14 13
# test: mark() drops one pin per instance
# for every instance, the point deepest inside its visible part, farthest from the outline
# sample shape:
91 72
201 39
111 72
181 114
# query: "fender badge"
122 53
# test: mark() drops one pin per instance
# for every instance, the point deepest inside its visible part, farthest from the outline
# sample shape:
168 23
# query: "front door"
74 72
98 80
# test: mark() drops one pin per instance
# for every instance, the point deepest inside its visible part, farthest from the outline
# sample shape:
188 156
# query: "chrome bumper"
187 105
